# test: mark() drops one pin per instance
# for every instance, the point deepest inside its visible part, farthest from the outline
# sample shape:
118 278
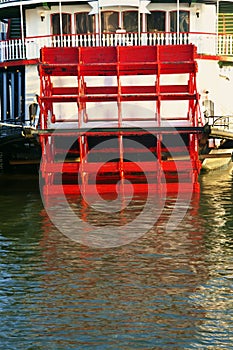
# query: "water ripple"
167 290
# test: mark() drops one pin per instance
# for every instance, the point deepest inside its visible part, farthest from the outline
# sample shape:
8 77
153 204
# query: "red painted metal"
19 63
170 165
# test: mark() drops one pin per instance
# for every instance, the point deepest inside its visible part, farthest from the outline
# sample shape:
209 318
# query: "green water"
166 290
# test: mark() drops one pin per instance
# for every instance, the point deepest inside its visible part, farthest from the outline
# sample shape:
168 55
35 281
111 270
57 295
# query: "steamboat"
113 92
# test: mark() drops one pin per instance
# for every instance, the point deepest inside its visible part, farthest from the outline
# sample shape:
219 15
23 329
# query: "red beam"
18 63
122 97
127 188
100 90
127 167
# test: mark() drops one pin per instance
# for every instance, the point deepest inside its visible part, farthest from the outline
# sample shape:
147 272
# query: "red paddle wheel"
82 154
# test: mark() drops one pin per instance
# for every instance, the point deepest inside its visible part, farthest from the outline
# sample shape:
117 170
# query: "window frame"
58 14
103 30
175 21
94 22
165 21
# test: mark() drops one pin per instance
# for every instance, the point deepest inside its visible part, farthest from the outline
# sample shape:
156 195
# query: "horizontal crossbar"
111 189
131 89
124 131
116 167
117 69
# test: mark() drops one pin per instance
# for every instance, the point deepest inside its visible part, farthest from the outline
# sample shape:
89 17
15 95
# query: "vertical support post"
158 104
119 109
178 21
12 99
79 104
159 160
196 104
121 153
139 26
79 90
5 86
19 88
193 151
217 15
100 27
41 103
82 152
191 102
22 29
60 17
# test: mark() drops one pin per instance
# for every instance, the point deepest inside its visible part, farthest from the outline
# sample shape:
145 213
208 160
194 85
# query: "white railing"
225 44
207 44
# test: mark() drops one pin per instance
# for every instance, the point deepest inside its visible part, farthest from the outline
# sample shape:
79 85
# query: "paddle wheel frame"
78 155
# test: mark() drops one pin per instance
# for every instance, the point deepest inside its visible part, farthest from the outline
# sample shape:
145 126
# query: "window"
183 21
66 23
85 23
109 21
156 21
130 21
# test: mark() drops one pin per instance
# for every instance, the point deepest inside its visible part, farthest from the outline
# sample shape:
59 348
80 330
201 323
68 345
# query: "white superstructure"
29 25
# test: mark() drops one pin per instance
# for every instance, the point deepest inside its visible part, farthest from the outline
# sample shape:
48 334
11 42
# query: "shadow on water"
166 290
